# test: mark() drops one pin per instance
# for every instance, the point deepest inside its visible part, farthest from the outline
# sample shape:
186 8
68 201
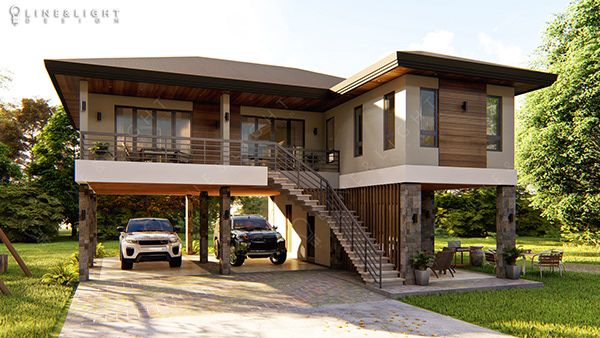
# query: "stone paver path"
310 303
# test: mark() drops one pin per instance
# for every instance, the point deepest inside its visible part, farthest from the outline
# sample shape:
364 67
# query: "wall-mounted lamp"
511 217
83 106
226 214
99 116
226 116
415 218
464 106
315 131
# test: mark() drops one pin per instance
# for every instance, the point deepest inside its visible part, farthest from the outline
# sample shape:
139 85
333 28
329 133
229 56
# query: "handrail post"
380 271
352 238
365 257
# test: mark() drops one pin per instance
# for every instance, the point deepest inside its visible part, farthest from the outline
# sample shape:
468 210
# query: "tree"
52 168
558 134
9 170
28 214
255 205
22 124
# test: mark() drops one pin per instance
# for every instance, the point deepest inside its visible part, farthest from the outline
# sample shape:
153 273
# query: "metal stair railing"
307 179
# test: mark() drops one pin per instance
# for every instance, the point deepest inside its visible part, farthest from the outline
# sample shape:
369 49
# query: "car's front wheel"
126 264
278 258
175 262
237 260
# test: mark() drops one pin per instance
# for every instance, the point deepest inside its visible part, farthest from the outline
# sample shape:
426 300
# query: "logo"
14 14
63 16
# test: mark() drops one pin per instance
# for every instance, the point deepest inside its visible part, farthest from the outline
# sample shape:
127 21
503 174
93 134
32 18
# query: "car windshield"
251 224
139 225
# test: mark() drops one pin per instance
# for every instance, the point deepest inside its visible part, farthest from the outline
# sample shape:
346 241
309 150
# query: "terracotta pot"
422 277
513 271
476 255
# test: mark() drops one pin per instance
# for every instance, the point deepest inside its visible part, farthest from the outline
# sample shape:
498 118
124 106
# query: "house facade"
349 165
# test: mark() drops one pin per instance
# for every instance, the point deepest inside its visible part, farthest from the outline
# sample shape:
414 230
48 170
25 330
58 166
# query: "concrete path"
303 303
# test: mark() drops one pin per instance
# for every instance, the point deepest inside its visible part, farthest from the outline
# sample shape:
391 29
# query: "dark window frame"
272 132
435 132
495 139
358 131
389 121
332 121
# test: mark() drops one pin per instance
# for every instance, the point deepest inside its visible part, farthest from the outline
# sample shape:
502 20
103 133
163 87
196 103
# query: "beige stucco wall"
106 104
311 120
297 242
504 159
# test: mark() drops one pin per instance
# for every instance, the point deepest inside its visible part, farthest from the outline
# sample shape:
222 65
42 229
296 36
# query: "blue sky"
335 37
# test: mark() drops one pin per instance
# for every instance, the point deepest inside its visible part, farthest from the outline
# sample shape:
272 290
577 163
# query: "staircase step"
387 281
385 274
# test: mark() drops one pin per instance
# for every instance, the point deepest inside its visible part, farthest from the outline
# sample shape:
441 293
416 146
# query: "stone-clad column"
189 225
224 230
427 221
505 225
84 233
203 227
93 228
410 228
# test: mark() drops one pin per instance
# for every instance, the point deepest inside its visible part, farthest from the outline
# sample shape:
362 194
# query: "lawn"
572 253
565 307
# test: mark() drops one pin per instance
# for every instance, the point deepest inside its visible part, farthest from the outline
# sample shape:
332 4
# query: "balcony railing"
169 149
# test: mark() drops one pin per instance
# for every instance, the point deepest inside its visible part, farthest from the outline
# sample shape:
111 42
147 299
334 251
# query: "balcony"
99 146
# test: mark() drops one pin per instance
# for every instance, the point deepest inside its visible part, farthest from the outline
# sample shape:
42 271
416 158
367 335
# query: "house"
350 165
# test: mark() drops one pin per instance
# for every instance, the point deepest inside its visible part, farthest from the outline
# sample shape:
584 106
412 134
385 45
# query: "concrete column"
203 227
84 233
427 221
225 126
83 105
505 225
410 228
224 230
189 225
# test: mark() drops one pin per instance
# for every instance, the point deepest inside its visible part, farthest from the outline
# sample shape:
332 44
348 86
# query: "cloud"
440 41
502 52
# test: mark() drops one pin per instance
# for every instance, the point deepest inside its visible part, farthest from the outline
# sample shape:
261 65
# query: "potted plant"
420 262
99 150
513 271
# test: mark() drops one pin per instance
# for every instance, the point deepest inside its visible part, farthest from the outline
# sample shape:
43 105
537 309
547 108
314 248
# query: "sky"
333 37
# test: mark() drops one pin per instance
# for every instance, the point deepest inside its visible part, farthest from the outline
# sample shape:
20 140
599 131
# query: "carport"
88 230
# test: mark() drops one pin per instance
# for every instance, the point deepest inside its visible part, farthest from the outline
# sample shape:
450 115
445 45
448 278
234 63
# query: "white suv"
149 239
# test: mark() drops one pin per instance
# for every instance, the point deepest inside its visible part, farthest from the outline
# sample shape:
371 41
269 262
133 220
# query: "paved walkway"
304 303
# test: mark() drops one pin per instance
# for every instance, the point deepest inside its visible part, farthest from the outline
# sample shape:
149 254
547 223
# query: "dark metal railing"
298 165
170 149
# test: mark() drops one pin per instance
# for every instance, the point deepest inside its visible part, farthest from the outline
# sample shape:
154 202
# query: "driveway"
303 302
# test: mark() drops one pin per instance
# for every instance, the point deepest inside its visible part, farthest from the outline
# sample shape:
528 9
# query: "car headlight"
131 241
173 239
245 238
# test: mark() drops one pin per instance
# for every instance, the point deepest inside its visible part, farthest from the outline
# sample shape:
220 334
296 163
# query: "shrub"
422 260
101 251
63 273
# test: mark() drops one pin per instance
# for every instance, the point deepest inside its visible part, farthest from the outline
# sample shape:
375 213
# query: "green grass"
572 253
564 307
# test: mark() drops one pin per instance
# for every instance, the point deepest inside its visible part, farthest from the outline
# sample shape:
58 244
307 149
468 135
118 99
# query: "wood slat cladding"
379 208
462 134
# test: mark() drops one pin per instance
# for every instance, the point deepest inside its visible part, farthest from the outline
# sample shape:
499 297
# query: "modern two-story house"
350 165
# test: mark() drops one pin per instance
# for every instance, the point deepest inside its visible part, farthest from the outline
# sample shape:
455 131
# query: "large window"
429 118
389 121
287 132
358 131
153 128
494 123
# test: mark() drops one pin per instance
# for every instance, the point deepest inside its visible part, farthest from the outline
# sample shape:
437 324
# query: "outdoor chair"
549 259
490 256
443 262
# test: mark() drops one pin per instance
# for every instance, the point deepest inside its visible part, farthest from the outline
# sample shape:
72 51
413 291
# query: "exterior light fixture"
83 106
99 116
415 218
511 217
464 106
226 116
315 131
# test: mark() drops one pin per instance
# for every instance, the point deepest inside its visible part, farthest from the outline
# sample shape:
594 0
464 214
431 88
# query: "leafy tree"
9 170
255 205
559 131
53 163
28 214
22 124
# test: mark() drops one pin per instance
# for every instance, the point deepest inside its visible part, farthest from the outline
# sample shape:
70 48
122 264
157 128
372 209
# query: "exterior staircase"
358 243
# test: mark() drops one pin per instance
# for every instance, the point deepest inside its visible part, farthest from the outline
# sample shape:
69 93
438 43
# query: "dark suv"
252 236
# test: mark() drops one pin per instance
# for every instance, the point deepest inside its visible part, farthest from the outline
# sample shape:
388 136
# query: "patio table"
462 250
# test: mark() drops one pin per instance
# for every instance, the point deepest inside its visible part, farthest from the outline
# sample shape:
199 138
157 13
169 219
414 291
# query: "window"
494 123
358 131
429 118
330 134
152 128
389 121
287 132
